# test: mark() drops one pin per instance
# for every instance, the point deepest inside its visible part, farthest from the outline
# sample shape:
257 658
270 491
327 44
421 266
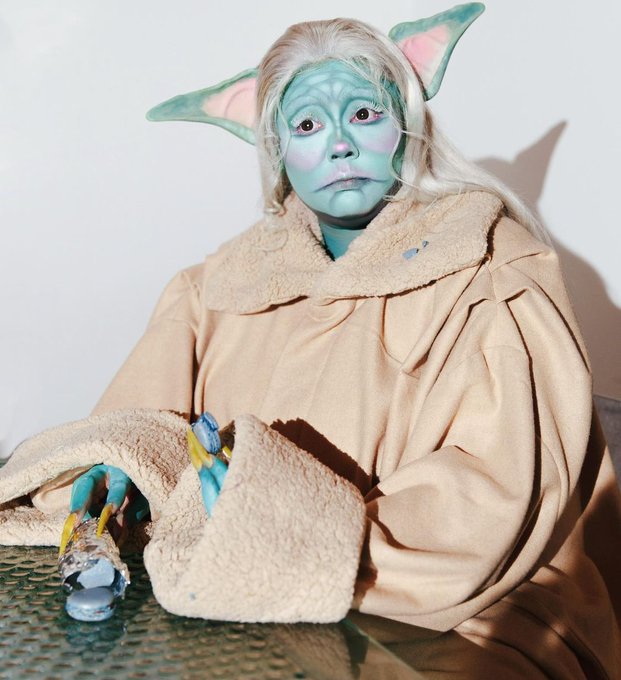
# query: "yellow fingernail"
193 447
196 450
227 452
68 528
108 510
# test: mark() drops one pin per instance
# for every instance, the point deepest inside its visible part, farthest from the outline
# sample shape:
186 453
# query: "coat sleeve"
159 372
463 514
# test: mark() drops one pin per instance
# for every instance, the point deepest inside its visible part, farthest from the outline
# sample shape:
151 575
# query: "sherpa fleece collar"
271 265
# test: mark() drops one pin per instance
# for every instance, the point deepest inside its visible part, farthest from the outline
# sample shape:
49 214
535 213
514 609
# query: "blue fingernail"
409 254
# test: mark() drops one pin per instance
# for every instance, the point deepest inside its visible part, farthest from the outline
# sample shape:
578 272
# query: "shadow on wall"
598 316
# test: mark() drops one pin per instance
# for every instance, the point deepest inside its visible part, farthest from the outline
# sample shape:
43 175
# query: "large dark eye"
307 126
366 114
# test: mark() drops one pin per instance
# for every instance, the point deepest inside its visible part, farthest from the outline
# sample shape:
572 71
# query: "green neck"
337 239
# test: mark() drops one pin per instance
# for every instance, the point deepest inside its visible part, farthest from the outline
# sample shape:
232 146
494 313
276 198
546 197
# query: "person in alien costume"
394 348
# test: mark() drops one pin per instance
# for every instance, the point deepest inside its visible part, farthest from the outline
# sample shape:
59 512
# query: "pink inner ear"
236 103
425 51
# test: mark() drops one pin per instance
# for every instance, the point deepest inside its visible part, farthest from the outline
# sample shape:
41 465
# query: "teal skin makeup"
337 239
338 143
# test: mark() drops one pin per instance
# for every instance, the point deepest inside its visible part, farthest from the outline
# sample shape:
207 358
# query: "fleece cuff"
283 544
150 446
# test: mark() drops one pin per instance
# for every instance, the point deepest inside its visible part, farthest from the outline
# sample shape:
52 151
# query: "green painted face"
338 143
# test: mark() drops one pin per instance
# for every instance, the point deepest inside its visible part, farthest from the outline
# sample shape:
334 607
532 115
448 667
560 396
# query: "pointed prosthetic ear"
230 104
428 43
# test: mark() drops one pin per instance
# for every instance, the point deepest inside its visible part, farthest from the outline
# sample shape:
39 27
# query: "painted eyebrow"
321 99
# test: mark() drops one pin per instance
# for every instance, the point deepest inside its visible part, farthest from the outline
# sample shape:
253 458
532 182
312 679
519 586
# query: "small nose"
343 148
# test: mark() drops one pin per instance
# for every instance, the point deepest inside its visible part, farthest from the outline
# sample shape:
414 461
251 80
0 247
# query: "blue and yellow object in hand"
210 451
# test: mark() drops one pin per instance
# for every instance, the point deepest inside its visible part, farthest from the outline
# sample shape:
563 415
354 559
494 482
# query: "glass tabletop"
142 640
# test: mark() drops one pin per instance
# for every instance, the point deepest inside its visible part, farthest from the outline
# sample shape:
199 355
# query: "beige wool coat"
416 438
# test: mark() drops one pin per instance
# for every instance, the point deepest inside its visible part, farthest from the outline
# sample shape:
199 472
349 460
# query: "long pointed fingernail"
109 509
193 446
68 528
199 457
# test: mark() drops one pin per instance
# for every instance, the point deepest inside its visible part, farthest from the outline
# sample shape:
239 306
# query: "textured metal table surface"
39 640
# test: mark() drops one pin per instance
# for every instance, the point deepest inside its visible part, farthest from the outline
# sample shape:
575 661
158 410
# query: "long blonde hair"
432 167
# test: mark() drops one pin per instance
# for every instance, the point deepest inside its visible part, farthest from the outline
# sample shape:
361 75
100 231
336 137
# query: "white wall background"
99 208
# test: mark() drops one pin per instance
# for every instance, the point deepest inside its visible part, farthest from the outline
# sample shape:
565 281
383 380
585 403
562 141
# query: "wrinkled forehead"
333 81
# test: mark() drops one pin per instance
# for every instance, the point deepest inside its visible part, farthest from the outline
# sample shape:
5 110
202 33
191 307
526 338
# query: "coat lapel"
406 246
